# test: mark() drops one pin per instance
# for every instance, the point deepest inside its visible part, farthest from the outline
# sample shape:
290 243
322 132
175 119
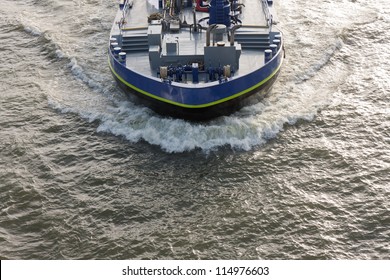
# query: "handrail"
126 6
267 13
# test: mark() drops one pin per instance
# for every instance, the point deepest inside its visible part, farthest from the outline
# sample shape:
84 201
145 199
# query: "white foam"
262 122
60 54
55 47
33 30
250 127
319 64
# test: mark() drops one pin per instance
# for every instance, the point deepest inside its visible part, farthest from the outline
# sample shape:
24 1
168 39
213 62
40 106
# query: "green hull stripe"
194 106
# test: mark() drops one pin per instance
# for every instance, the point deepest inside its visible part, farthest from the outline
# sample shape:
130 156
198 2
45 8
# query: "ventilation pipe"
232 31
209 29
195 23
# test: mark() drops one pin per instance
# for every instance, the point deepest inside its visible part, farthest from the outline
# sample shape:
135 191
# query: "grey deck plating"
253 36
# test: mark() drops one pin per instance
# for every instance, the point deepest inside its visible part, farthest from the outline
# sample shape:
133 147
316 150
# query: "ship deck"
252 18
252 13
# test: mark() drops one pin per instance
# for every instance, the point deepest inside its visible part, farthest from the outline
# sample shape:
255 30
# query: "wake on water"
296 96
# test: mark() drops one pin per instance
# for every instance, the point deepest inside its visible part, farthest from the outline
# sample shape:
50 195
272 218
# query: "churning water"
84 173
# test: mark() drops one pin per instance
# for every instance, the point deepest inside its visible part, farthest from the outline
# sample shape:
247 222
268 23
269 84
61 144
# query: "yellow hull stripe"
194 106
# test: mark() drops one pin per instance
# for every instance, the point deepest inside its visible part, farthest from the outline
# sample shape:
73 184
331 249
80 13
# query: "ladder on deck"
135 40
252 38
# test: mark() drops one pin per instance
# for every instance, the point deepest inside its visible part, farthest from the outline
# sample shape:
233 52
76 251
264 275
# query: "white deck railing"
267 13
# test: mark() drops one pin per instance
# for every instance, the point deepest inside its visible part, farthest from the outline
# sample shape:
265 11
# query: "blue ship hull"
200 102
